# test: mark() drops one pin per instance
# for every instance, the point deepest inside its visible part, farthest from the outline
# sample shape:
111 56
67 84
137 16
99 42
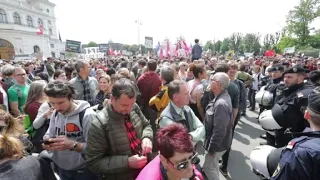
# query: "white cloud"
101 20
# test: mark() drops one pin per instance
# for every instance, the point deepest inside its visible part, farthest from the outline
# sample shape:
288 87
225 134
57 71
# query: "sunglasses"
185 164
57 86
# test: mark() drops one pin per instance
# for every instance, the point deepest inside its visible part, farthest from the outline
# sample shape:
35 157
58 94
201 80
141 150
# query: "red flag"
161 53
111 51
40 30
185 46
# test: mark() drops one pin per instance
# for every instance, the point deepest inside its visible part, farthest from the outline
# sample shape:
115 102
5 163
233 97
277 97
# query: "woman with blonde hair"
12 127
14 166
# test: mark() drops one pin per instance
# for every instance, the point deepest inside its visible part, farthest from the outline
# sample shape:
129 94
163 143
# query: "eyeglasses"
57 86
21 74
185 164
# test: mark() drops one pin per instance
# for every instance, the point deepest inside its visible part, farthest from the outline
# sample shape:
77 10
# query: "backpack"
81 115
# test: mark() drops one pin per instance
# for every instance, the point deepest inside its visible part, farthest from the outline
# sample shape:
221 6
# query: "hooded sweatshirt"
149 85
69 125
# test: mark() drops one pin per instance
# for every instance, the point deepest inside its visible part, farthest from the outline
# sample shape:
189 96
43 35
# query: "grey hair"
167 73
36 90
7 70
223 78
18 68
80 64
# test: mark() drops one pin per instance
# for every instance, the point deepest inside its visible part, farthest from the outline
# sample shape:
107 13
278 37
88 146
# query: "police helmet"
286 115
264 160
264 98
268 122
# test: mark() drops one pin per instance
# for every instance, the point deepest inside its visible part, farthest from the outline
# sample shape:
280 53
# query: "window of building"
40 22
3 16
52 45
49 22
29 21
53 54
16 18
50 31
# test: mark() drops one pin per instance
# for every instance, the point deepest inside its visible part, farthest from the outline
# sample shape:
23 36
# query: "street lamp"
139 24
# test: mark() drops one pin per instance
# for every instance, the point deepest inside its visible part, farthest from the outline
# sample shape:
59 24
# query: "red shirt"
32 110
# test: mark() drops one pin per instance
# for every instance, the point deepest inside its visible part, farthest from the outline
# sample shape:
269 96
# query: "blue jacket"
300 159
196 51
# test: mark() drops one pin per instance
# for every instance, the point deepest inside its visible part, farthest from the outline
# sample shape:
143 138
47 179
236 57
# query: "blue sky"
102 20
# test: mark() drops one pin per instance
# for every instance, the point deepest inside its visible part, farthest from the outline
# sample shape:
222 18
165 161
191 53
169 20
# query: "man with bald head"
218 125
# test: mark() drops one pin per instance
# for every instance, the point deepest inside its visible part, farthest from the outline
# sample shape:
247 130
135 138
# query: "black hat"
295 69
277 67
314 101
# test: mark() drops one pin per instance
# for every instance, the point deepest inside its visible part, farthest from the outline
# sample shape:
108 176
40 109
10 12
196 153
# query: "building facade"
19 23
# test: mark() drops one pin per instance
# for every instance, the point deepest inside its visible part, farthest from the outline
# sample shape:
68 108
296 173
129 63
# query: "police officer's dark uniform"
289 108
272 86
300 160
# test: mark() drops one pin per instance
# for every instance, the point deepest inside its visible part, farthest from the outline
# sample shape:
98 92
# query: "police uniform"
301 157
290 107
272 87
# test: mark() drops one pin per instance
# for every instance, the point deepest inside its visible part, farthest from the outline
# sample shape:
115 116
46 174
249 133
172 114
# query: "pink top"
152 171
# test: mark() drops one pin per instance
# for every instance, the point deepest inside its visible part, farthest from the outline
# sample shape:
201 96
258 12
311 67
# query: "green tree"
235 41
92 44
217 46
208 45
251 43
300 18
270 41
286 42
225 45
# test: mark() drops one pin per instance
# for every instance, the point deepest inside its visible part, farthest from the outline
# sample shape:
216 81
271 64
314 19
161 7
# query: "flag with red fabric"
40 30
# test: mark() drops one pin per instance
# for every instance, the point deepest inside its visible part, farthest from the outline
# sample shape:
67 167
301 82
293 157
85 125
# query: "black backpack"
81 115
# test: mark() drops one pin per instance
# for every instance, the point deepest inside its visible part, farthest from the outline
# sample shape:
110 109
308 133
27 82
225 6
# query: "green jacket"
108 146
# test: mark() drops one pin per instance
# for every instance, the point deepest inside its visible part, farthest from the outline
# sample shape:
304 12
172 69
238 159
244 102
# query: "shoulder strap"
81 115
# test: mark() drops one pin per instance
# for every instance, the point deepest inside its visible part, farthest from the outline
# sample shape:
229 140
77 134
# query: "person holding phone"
67 133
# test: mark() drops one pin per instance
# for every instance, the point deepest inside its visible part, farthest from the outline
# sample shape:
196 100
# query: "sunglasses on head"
185 164
57 86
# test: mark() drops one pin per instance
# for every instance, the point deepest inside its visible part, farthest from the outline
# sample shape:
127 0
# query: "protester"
85 86
18 92
119 152
67 133
13 166
218 125
177 156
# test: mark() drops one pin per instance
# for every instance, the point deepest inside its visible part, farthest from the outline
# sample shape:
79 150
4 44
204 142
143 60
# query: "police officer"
301 157
276 73
291 102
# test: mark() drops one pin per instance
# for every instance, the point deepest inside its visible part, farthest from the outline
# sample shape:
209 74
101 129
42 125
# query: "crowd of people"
124 118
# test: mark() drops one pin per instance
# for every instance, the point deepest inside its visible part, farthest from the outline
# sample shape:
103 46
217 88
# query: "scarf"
135 143
86 91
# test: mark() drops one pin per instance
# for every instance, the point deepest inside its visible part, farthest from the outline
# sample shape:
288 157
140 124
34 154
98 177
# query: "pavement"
246 137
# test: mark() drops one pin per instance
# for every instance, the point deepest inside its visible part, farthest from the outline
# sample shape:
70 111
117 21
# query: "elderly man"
178 111
120 136
85 86
218 125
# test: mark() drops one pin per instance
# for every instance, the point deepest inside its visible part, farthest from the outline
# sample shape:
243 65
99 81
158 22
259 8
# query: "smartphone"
46 142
